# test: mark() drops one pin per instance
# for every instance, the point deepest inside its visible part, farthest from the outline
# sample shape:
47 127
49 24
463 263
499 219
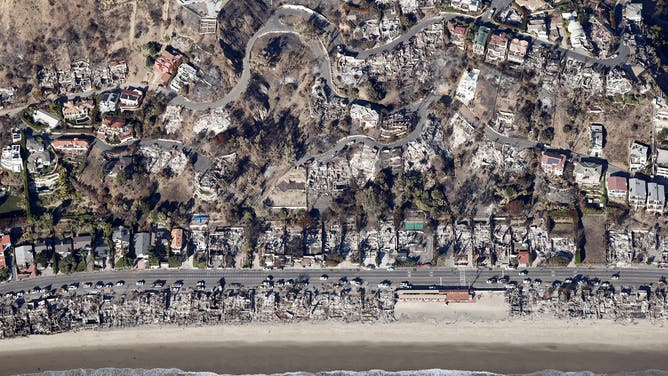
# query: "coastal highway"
417 276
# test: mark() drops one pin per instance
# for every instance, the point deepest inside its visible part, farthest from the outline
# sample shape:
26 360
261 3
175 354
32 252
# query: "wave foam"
375 372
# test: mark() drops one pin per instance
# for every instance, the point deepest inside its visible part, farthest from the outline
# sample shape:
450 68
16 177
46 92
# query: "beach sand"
427 335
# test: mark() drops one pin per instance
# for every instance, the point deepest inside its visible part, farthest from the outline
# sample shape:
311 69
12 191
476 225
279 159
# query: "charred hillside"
238 21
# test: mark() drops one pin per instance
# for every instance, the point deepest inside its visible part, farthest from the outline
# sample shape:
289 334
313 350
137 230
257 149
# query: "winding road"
274 26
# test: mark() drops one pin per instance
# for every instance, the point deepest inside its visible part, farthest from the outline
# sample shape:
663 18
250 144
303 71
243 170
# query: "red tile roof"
498 39
177 238
113 122
458 295
617 183
69 143
523 257
5 242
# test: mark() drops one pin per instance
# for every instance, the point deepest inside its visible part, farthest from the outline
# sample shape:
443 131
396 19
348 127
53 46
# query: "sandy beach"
469 337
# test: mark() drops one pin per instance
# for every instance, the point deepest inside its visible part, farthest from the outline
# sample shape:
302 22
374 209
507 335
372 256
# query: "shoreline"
508 346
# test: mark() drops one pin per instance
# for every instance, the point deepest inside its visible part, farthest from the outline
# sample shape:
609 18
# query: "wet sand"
503 346
284 357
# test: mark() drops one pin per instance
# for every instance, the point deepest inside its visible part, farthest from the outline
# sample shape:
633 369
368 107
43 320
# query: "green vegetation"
69 264
567 128
562 212
150 60
662 135
124 262
174 261
153 47
11 204
4 274
408 263
200 262
547 134
431 199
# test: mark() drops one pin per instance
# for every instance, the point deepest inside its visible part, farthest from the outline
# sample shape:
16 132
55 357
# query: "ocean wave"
426 372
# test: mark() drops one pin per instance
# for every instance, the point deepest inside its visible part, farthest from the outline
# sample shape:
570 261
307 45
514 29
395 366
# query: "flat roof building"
637 193
42 117
481 40
449 295
656 197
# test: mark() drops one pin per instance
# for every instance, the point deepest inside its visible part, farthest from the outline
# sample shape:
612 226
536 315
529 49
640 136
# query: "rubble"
216 121
157 159
60 310
585 298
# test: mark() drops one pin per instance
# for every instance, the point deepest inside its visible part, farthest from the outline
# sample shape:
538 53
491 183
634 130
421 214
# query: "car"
526 281
324 277
492 280
280 282
537 282
88 285
384 284
605 284
37 289
120 283
289 282
109 285
615 276
158 284
140 282
568 280
99 285
390 268
72 287
406 285
356 282
201 283
270 277
20 293
9 294
524 272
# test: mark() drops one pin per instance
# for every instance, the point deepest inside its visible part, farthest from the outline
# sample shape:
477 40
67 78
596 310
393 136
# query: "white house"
24 255
366 116
587 174
130 99
467 85
11 158
633 12
46 118
185 74
108 103
638 156
662 162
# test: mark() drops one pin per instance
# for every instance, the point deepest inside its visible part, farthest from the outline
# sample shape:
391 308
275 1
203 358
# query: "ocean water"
426 372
